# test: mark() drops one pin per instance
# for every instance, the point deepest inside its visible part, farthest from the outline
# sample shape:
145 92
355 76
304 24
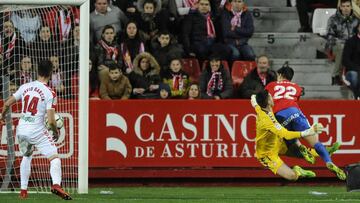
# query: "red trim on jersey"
285 94
53 94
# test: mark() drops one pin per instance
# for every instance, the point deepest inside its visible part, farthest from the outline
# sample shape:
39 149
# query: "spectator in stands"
215 81
107 52
70 53
128 6
116 85
303 7
177 79
12 47
145 78
12 87
150 18
341 26
164 91
44 45
184 7
26 73
238 27
351 61
27 22
194 91
105 14
257 79
165 47
199 31
131 46
57 77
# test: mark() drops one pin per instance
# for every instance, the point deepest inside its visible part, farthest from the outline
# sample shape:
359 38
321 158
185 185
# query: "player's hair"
286 72
262 98
114 66
45 68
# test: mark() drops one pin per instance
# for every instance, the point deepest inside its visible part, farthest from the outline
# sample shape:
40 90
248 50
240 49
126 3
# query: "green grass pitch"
202 194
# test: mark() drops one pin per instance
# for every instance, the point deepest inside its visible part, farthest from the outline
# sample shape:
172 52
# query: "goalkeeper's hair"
262 98
286 72
45 68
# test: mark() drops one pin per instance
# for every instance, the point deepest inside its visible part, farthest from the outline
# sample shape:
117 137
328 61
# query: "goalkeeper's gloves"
253 100
315 129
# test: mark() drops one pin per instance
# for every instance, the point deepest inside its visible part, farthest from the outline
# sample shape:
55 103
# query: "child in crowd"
194 91
164 91
177 79
116 85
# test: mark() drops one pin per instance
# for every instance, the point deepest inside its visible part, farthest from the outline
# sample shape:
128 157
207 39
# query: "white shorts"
42 141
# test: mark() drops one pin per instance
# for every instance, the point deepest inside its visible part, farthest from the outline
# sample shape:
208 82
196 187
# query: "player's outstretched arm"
6 107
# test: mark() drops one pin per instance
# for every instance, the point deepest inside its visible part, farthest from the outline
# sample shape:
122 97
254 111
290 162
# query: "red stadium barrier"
200 138
203 137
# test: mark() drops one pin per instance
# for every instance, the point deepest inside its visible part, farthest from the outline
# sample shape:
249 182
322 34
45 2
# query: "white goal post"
83 80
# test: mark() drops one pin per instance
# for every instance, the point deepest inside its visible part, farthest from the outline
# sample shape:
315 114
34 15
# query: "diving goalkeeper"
269 139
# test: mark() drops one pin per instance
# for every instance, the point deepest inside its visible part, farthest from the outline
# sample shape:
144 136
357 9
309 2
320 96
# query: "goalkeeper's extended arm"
315 129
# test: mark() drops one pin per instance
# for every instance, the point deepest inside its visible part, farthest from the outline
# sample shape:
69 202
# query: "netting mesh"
30 34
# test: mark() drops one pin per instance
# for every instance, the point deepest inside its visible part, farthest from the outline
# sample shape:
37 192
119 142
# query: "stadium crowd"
147 49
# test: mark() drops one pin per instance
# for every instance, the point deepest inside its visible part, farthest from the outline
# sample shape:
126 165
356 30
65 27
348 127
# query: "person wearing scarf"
199 31
177 79
215 81
257 79
107 51
238 27
131 46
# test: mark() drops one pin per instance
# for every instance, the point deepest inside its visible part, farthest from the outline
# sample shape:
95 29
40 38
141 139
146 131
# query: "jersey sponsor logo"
65 143
27 119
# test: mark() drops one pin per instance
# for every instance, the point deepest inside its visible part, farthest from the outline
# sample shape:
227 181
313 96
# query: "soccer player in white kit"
37 100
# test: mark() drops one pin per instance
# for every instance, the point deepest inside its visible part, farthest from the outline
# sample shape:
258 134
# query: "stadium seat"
240 69
320 19
192 67
224 63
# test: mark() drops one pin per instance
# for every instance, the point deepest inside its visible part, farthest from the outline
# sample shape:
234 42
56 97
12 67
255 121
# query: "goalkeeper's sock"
55 171
323 153
25 170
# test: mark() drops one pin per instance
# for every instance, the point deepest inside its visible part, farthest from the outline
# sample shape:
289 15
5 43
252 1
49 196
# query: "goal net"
29 34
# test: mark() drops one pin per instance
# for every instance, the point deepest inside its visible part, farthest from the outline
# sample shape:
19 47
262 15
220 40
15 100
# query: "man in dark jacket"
164 48
341 27
257 79
237 28
351 61
199 31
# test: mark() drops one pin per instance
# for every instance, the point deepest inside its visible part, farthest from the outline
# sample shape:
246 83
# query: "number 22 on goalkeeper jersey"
285 94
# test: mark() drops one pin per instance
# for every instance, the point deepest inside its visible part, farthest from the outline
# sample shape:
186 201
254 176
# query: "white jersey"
36 98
